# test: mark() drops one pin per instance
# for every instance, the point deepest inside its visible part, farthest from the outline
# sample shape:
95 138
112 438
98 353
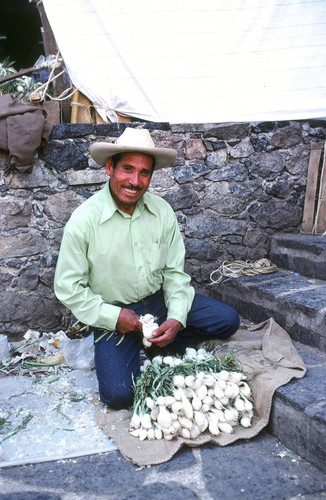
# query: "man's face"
129 179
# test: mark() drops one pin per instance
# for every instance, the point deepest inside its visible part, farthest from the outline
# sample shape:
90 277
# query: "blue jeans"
117 365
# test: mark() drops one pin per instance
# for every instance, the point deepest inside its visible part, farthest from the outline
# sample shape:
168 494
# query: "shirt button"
136 244
140 268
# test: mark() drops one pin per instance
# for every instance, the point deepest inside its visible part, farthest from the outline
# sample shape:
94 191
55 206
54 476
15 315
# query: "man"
122 256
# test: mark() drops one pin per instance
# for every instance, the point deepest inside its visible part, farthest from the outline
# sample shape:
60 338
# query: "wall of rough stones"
232 186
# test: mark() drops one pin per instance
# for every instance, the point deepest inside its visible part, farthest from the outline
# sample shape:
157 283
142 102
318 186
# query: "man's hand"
166 333
128 322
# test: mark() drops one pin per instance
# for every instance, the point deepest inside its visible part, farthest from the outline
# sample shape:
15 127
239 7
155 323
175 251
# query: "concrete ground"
261 468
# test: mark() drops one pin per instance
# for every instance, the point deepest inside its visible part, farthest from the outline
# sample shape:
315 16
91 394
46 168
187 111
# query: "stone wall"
232 186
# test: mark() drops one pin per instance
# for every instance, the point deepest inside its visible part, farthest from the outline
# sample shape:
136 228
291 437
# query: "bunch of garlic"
149 325
215 402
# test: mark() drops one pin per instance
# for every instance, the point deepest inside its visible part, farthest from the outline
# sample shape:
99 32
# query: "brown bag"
23 130
266 353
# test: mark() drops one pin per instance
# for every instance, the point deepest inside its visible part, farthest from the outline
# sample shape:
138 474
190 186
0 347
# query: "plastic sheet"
61 417
184 61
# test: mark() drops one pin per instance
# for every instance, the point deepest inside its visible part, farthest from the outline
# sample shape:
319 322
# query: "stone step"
298 417
303 254
296 302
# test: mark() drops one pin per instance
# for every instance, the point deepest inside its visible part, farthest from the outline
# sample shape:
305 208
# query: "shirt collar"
109 206
147 201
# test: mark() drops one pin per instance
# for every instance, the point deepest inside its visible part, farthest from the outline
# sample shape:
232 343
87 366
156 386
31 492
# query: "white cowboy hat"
133 140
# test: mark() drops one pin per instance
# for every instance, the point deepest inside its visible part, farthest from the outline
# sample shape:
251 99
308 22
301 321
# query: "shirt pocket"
158 257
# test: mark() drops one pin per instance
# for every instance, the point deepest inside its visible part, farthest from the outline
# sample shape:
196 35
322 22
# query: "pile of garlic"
204 401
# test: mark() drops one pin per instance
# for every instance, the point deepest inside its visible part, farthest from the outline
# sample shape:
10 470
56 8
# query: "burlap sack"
269 357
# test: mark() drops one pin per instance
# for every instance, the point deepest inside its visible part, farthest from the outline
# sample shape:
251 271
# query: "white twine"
239 268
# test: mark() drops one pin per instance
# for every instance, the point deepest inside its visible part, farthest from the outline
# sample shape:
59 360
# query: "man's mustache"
136 188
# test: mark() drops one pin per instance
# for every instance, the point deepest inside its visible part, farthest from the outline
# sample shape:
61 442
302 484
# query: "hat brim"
100 151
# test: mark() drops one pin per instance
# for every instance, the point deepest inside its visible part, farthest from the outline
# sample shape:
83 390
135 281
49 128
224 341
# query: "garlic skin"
146 421
158 434
146 343
135 421
185 433
214 429
142 435
177 408
149 403
179 381
245 421
151 434
225 427
135 433
164 418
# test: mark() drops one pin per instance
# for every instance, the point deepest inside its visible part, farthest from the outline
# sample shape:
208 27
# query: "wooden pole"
311 189
53 49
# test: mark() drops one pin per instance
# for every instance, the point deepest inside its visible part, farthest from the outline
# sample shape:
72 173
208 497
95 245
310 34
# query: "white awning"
187 61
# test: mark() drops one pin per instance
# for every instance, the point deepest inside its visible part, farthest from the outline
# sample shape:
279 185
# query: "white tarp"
191 61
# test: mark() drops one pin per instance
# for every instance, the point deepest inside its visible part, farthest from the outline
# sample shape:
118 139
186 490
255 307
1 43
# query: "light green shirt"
109 259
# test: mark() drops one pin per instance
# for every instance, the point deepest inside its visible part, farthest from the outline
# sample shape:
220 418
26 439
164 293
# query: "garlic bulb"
189 401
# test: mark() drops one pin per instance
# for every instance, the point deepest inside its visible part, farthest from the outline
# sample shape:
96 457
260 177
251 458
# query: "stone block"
287 137
216 145
28 279
85 177
227 131
162 178
231 198
268 165
21 245
296 160
176 142
297 304
186 173
47 277
184 197
40 176
304 254
298 433
217 159
188 127
65 156
204 227
6 279
259 143
262 127
255 237
60 206
276 215
230 172
14 213
68 130
242 150
201 250
303 403
195 149
21 311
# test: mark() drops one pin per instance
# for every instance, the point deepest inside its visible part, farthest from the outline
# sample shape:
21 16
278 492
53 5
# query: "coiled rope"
239 268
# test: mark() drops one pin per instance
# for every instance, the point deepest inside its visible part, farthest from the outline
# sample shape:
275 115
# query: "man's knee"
117 397
232 323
